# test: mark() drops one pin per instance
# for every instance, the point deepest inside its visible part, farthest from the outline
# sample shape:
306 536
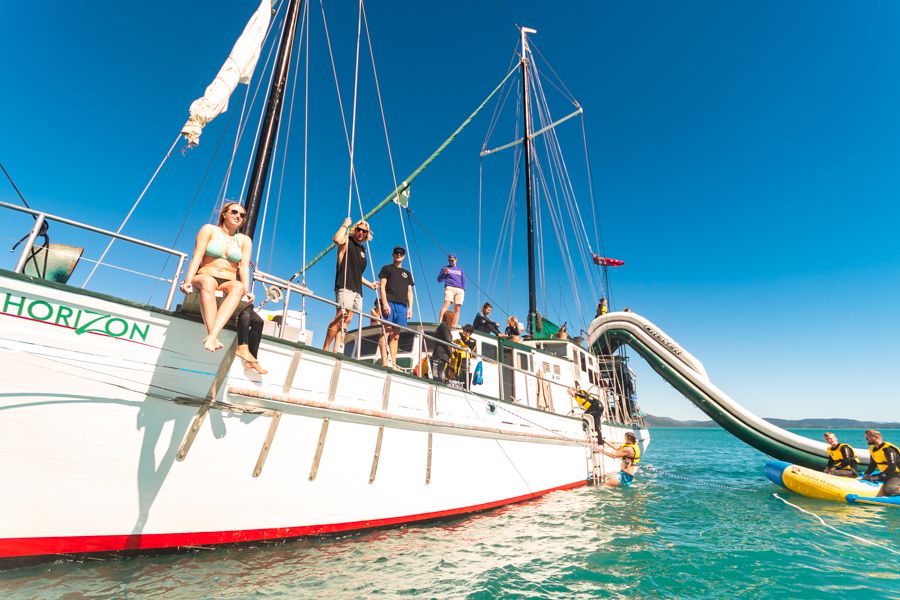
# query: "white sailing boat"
119 432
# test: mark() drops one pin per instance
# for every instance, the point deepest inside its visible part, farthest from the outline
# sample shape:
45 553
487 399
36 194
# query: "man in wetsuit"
630 453
591 406
886 458
841 458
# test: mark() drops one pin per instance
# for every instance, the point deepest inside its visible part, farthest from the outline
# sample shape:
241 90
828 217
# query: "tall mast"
529 207
269 131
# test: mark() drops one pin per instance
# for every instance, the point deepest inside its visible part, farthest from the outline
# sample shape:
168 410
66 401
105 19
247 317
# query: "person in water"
348 279
221 261
630 453
841 458
885 457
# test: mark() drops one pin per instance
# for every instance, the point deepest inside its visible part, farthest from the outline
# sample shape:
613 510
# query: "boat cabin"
534 373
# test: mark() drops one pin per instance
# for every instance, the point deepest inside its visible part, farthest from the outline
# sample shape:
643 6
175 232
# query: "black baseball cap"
400 250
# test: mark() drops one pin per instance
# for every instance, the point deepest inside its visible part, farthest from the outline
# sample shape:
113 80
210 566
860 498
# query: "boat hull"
122 433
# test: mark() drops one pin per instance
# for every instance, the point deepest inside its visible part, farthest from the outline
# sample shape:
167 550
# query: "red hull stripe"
20 547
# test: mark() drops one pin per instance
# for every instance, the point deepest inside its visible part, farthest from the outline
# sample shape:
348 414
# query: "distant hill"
654 421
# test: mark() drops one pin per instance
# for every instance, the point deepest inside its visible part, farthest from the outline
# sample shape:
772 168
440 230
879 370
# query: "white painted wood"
90 425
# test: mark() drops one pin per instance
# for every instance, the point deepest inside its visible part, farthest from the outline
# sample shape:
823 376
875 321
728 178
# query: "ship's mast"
269 131
526 147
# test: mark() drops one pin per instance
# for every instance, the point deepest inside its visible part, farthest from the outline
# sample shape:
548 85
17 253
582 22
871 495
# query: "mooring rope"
720 486
849 535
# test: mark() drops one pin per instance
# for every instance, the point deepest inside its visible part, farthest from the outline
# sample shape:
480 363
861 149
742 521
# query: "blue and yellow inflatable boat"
815 484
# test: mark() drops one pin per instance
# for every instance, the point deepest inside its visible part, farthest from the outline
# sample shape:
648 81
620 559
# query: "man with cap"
348 279
396 297
454 281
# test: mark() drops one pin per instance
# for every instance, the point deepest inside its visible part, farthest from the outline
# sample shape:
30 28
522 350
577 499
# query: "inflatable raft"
815 484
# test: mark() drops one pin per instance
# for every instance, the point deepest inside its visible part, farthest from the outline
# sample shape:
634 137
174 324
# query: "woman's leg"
243 333
256 329
249 328
233 292
206 286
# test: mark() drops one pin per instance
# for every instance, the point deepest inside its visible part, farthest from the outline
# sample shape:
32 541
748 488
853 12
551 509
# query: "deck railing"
40 218
287 289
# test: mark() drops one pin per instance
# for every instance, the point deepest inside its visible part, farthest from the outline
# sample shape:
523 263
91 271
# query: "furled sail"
238 68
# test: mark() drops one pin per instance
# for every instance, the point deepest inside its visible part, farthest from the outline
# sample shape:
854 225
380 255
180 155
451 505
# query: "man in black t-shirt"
396 296
348 279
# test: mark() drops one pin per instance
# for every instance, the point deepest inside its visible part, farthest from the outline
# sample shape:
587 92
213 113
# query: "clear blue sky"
745 158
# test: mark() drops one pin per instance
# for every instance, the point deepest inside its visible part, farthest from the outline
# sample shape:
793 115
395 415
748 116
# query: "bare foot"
254 364
212 344
244 354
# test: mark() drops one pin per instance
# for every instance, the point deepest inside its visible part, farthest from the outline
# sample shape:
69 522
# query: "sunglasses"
237 212
361 230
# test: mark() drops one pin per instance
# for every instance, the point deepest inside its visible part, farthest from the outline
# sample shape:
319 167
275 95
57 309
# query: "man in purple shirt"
454 281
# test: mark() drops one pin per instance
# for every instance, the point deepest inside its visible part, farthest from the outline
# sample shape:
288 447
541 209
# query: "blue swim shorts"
625 479
398 313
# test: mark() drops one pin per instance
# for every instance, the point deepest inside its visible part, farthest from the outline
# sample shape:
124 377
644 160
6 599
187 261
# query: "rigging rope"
418 171
421 266
305 150
849 535
287 140
15 187
391 161
262 114
130 212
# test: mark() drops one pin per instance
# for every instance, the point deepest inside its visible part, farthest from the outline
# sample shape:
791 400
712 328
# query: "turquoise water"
675 534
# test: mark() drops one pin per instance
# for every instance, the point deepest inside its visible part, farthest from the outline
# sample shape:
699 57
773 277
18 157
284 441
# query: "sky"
744 159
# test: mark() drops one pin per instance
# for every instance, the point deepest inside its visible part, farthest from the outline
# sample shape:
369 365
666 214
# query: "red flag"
603 261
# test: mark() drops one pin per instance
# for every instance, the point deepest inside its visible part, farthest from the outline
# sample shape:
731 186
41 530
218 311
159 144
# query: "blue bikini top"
216 247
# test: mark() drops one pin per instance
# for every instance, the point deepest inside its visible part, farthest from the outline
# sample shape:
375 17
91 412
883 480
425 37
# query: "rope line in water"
720 486
850 535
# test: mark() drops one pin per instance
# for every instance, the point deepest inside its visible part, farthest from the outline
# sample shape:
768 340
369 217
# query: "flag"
603 261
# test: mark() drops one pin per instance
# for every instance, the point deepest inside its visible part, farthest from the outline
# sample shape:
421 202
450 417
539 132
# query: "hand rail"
41 216
291 287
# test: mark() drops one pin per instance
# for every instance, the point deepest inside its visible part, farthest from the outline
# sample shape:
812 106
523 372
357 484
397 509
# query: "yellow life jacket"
836 454
878 456
458 357
637 452
583 400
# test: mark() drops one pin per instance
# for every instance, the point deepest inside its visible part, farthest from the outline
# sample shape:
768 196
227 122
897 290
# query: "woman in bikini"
221 261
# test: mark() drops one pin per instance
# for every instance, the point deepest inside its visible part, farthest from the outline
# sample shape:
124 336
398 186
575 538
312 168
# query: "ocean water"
703 523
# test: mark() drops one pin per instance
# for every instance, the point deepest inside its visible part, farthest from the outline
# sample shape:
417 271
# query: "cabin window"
407 340
545 367
523 362
556 369
489 351
557 349
591 377
369 346
583 364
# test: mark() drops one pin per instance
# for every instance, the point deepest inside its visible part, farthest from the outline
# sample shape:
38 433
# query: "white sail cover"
238 68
